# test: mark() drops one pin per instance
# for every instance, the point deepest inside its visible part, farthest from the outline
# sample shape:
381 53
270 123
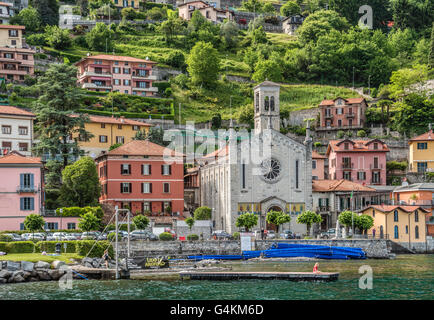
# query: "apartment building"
16 127
120 4
319 171
138 176
210 11
16 57
117 73
341 114
361 161
421 153
7 11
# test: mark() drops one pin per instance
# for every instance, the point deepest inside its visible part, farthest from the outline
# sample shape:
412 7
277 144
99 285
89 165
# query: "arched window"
266 103
272 103
395 215
416 232
416 216
396 232
257 101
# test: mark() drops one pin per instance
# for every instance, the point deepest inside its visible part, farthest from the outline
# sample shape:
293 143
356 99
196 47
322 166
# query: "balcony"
376 166
143 77
347 165
150 89
375 181
27 189
323 209
328 116
95 86
350 115
95 74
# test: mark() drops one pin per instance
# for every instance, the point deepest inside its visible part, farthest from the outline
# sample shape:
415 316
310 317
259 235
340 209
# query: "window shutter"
149 169
21 180
143 171
31 180
56 226
142 186
150 187
162 169
170 169
131 187
129 168
121 188
121 169
32 203
21 203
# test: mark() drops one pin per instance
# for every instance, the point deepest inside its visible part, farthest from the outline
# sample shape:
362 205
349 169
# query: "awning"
100 66
101 78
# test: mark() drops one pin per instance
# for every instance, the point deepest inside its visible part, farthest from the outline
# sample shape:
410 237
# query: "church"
267 171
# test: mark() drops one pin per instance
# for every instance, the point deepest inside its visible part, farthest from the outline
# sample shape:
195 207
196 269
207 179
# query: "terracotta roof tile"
427 136
316 155
116 58
338 185
358 146
390 208
102 119
8 26
11 110
143 148
348 101
13 158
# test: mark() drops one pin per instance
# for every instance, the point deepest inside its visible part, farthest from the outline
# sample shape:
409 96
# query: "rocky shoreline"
25 271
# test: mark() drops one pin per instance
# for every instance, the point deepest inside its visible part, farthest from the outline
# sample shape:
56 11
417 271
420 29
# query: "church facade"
267 171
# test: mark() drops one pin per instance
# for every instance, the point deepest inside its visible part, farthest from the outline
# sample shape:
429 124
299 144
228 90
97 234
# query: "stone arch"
266 103
272 103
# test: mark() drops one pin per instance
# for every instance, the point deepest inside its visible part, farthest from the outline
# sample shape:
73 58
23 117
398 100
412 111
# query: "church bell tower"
267 106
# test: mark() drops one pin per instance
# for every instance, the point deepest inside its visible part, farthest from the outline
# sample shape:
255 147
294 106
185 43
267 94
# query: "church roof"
267 84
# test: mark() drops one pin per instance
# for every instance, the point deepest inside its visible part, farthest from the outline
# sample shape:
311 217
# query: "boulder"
88 265
86 260
26 274
42 265
5 274
33 279
56 264
27 266
13 266
3 280
43 275
18 276
96 263
55 274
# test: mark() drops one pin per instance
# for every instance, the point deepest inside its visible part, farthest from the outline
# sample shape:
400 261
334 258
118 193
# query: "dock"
291 276
100 273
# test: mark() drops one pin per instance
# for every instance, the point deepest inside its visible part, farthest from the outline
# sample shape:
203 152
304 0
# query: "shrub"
202 213
4 246
21 247
192 237
361 133
340 134
236 235
83 248
165 236
50 246
124 227
5 238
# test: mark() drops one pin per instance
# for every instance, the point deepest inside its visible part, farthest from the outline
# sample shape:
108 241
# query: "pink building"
340 114
22 193
318 166
361 161
107 73
210 12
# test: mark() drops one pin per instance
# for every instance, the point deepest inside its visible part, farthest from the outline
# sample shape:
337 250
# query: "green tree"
57 38
34 222
80 185
290 8
89 222
114 146
53 183
190 222
48 11
58 99
267 69
309 218
246 220
364 223
253 6
141 221
84 7
229 32
348 219
216 121
154 135
171 27
203 64
157 13
402 79
246 115
128 13
202 213
100 38
277 218
28 17
431 49
269 8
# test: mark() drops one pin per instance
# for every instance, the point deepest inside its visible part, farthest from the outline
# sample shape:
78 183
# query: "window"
421 167
373 213
395 216
7 145
116 82
136 128
25 57
166 187
125 169
119 126
339 111
26 180
102 125
126 82
126 70
52 226
346 146
416 232
103 139
376 146
23 131
406 229
266 103
13 33
257 101
416 216
126 187
376 177
314 178
166 169
422 145
23 146
396 232
376 166
70 226
120 139
146 187
146 206
27 203
296 174
339 123
146 169
8 55
104 188
243 176
116 70
361 175
6 129
272 103
347 175
313 164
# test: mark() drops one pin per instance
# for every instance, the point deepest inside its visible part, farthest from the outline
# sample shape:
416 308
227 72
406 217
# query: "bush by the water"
20 247
192 237
50 246
83 248
5 238
236 235
4 246
166 236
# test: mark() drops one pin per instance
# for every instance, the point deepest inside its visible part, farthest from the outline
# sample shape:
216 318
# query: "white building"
16 127
6 12
236 179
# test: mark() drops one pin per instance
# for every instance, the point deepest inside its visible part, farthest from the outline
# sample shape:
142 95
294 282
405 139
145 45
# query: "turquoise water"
407 277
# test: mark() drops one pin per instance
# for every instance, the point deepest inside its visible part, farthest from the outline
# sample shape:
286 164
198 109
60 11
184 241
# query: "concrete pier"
292 276
101 274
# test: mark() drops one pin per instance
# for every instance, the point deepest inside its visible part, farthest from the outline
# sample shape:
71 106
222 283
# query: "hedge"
150 5
5 238
4 246
20 247
192 237
50 246
166 236
20 232
83 247
78 212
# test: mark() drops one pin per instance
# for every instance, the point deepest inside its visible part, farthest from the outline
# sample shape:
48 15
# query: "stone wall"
204 227
419 247
373 248
296 118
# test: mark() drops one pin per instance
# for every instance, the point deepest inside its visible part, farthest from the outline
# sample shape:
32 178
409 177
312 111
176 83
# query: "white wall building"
241 180
6 12
16 130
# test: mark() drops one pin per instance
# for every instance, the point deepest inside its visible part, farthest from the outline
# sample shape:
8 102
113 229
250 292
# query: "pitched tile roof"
427 136
316 155
11 110
143 148
218 153
113 120
358 146
8 26
348 101
116 58
390 208
14 158
338 185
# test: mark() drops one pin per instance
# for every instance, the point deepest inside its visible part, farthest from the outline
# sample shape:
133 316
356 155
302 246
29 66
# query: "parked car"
49 236
287 234
14 236
91 235
102 236
142 234
330 233
59 236
70 237
271 234
221 235
33 236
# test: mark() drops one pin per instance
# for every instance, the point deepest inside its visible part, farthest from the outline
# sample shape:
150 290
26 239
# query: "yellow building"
108 131
126 4
405 224
421 153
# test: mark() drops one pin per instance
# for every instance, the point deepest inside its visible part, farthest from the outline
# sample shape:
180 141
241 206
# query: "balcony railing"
27 189
350 115
328 116
347 165
323 209
376 181
376 166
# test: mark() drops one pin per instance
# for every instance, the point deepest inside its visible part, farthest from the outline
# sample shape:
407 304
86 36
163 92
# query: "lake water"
406 277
